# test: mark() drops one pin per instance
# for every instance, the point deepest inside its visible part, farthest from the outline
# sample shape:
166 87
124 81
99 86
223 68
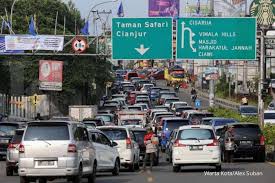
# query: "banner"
50 75
3 47
164 8
211 73
41 42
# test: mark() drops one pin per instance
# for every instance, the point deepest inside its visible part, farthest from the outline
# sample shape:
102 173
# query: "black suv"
7 131
249 141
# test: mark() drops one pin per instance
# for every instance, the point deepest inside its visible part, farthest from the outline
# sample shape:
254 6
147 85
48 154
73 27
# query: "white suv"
127 147
196 145
106 153
56 149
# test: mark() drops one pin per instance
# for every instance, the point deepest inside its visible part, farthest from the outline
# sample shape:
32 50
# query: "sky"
138 8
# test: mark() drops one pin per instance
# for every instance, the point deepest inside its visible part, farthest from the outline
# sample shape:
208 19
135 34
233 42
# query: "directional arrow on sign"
142 50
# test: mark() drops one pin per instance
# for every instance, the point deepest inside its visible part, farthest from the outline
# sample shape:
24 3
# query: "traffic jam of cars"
114 139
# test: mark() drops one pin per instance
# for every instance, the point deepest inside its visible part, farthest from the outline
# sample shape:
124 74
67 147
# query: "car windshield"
128 88
180 104
247 130
115 134
137 108
47 132
178 75
104 118
146 87
174 124
183 109
139 136
169 101
198 117
8 129
193 134
131 122
223 122
269 115
249 110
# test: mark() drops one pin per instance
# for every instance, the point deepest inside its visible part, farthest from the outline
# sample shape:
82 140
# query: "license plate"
246 142
196 148
4 141
46 163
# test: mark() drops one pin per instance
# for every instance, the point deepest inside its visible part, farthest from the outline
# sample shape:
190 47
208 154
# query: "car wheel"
136 165
115 171
9 171
176 168
218 168
24 180
92 177
78 177
260 157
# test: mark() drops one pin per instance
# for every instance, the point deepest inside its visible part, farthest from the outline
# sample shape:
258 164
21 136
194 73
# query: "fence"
25 107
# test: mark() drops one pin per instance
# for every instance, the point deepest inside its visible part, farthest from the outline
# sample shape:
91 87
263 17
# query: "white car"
127 147
146 87
269 117
107 155
196 145
174 105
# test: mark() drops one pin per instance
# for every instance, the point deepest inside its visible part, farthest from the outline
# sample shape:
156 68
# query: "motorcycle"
193 98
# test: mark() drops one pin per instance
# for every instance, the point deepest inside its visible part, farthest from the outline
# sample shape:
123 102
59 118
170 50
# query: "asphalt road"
184 95
245 172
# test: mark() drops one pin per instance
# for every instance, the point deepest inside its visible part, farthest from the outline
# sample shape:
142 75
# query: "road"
163 174
184 95
237 172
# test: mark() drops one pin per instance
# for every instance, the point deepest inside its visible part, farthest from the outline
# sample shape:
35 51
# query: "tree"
79 73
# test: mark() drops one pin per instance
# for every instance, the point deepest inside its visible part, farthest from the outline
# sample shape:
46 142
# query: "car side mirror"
114 144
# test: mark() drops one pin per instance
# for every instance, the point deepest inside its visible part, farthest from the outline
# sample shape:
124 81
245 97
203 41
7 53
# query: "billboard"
211 73
3 47
50 75
163 8
40 42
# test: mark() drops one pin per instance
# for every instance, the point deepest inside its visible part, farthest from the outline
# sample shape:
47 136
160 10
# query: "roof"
54 121
269 111
174 118
112 127
196 127
94 130
137 129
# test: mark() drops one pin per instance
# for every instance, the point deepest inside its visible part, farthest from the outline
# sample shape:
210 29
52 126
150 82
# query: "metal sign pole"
262 77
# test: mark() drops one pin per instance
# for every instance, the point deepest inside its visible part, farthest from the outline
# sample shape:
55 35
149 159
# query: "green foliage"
269 134
229 113
79 73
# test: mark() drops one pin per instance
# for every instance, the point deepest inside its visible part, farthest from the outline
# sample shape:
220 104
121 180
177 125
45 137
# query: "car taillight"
262 140
21 148
214 143
12 146
72 148
178 144
128 143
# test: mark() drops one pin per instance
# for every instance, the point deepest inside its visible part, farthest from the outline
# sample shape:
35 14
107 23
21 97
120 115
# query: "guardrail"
220 102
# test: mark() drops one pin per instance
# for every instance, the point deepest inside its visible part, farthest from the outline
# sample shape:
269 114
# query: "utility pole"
262 78
211 82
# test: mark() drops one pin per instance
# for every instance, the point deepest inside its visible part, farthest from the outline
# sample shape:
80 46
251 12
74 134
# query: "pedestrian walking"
151 143
229 144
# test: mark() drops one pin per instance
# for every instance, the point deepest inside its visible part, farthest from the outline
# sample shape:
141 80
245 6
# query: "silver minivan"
56 149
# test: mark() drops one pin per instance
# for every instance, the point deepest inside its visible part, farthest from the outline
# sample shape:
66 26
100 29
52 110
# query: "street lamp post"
12 7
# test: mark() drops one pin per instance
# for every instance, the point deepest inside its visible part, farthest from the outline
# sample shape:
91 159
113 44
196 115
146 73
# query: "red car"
158 75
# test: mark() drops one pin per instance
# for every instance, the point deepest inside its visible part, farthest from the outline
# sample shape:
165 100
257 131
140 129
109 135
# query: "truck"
132 118
175 76
80 112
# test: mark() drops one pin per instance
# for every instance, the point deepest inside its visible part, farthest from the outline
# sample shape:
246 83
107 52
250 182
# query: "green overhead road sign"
216 38
142 38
